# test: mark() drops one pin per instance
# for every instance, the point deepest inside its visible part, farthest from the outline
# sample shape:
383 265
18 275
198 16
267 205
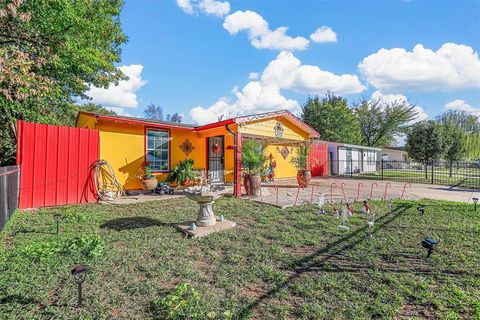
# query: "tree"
174 117
453 144
424 142
50 53
465 121
332 118
153 112
380 122
469 125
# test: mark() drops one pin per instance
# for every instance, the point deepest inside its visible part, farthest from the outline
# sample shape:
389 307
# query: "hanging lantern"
216 148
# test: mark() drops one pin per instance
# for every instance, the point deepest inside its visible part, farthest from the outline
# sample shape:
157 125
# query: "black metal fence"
9 183
464 174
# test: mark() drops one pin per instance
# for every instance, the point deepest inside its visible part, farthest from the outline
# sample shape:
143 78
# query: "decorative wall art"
187 147
285 153
278 130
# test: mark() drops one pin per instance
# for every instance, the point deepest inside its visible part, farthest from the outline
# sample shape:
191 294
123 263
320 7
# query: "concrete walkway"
284 193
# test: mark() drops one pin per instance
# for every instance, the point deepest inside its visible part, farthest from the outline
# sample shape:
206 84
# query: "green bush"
186 303
90 247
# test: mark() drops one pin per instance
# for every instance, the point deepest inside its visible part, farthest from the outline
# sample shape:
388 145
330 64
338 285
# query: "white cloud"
216 8
323 34
253 75
451 67
186 6
392 98
285 72
461 105
259 33
122 95
288 71
210 7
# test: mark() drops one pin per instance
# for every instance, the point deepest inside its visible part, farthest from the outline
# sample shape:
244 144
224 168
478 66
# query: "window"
158 150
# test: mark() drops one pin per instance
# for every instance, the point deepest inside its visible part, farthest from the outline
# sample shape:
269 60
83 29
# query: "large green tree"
466 128
332 118
453 144
425 141
381 122
51 51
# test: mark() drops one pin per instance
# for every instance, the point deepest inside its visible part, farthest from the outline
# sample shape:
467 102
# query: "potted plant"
149 181
300 161
253 159
182 173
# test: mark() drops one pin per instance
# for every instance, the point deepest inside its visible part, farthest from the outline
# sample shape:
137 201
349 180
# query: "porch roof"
241 120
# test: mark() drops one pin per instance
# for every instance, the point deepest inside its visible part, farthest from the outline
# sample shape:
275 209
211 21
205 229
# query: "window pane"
150 141
164 165
158 149
164 145
163 134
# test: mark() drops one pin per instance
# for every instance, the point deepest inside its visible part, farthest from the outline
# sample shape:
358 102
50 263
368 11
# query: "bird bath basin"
205 197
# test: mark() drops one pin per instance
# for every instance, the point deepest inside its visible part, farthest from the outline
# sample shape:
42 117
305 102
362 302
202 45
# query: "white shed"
349 158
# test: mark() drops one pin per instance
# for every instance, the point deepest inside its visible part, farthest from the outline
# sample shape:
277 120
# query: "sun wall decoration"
187 147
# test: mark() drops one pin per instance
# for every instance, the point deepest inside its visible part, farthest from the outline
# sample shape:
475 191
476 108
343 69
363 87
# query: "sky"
209 58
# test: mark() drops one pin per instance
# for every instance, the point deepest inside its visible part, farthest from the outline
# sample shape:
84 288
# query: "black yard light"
429 244
79 273
421 209
475 201
57 218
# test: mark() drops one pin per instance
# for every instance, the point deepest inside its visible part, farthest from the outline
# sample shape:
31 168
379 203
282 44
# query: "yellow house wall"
229 154
284 168
123 147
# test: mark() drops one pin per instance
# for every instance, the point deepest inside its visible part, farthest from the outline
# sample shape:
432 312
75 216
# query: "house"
349 158
393 154
127 142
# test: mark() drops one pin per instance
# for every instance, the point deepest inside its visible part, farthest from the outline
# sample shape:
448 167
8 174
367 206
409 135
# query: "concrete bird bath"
205 198
206 221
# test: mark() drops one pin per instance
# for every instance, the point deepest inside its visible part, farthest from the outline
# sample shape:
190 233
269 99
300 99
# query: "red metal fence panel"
56 164
318 160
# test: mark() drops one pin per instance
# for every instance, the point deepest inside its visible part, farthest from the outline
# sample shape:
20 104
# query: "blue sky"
204 58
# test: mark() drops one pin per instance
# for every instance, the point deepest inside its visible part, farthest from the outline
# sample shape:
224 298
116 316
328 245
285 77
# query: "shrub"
89 247
186 303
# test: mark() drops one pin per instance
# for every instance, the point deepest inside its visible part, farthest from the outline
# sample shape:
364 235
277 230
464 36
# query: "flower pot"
149 183
303 178
255 185
246 184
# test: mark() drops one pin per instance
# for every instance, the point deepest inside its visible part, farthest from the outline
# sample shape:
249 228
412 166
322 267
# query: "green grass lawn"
276 264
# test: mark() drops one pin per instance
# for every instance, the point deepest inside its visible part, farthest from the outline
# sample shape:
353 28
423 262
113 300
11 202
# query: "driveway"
285 192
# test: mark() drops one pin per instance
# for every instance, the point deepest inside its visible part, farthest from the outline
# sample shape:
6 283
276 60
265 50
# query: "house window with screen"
158 150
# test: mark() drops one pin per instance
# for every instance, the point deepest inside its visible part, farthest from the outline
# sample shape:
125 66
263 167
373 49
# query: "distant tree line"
453 136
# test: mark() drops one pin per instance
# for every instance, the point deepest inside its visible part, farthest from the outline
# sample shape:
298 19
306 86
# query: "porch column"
238 165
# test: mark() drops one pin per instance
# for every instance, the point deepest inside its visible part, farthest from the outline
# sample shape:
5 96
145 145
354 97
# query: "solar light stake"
79 273
421 209
57 218
429 244
475 201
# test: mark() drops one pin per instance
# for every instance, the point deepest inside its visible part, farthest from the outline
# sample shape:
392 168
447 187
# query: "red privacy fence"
56 164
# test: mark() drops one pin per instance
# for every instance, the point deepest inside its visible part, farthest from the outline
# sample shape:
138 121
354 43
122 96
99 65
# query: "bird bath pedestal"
206 221
205 199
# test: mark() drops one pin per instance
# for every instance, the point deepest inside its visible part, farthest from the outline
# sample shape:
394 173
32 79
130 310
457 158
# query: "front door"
216 158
